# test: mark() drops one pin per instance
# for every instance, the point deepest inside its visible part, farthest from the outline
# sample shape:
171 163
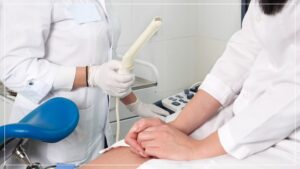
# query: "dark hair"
272 7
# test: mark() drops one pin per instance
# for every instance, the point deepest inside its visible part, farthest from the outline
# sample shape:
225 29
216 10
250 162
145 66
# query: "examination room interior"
193 36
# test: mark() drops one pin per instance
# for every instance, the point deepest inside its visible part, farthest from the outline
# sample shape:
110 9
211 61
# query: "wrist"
129 99
196 148
208 147
177 125
80 78
133 107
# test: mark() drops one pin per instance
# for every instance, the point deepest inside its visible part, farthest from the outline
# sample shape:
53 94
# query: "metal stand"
15 149
21 155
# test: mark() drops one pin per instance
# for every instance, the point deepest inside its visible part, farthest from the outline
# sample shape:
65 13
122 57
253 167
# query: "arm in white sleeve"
25 27
226 78
272 117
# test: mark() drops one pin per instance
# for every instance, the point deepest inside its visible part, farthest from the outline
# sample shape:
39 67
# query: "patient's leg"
117 158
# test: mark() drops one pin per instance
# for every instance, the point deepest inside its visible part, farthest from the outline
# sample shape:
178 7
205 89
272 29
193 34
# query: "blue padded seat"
51 122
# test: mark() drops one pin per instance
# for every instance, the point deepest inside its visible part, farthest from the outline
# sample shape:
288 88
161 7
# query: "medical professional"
246 110
62 48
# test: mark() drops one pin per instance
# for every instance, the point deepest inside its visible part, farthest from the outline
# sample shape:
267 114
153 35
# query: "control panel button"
183 101
195 89
186 91
176 103
178 96
172 99
190 96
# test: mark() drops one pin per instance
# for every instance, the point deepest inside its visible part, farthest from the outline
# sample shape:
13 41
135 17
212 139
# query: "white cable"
150 65
117 119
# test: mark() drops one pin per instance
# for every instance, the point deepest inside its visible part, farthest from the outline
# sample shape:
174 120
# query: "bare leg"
117 158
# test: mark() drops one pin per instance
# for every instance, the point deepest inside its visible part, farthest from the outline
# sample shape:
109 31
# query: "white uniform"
42 42
261 66
257 79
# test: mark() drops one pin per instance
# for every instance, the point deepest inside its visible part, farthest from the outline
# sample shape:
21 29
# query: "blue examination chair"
51 122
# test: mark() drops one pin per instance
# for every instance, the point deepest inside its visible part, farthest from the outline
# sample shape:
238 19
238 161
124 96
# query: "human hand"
166 142
147 110
106 77
139 126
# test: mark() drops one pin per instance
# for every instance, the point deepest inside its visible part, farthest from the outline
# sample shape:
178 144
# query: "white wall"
217 21
193 36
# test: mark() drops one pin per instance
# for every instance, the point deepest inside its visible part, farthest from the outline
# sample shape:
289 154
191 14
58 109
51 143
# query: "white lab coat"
42 42
260 68
257 82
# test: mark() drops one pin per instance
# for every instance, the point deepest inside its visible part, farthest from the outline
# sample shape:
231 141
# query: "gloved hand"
147 110
106 77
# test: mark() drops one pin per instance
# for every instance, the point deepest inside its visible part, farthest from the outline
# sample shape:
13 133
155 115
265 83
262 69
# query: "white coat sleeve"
271 118
25 27
227 76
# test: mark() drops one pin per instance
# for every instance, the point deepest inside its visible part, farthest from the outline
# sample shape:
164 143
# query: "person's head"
272 7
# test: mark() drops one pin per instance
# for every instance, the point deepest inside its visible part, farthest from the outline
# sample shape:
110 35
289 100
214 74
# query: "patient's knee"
116 158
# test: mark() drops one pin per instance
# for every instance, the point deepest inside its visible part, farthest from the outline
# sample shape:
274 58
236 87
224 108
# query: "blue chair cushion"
51 122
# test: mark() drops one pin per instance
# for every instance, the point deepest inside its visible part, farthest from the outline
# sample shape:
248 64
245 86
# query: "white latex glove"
106 77
147 110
